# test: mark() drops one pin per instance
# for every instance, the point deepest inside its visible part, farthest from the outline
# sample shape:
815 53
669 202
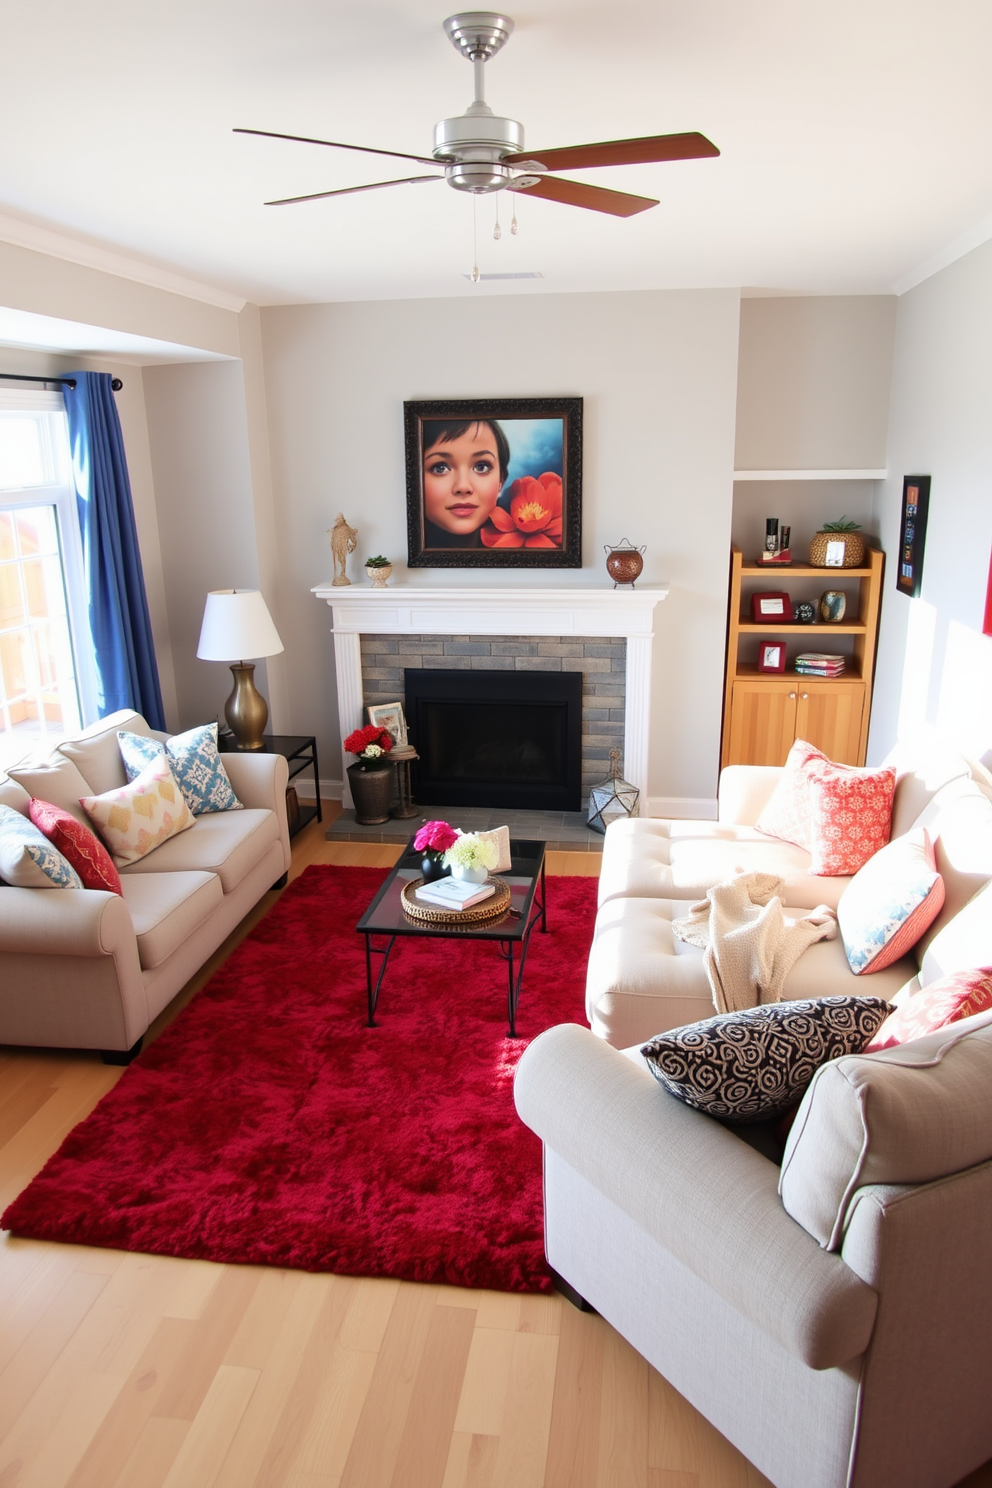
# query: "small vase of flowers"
370 777
470 857
370 746
433 841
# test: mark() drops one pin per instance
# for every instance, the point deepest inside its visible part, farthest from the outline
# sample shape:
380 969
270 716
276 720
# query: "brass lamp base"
246 710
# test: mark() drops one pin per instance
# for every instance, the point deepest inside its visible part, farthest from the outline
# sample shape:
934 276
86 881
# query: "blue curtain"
118 607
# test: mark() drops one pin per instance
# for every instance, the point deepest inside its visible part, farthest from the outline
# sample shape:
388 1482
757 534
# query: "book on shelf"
454 893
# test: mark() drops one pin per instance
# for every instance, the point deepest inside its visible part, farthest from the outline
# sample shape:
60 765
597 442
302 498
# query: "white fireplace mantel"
574 610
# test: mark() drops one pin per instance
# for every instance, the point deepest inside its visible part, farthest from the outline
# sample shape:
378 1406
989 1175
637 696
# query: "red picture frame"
772 607
771 656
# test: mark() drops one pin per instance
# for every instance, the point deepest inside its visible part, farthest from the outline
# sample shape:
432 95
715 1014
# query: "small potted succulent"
432 842
378 570
470 857
844 532
370 777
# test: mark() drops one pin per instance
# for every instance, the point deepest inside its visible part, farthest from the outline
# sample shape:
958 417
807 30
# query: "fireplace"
497 738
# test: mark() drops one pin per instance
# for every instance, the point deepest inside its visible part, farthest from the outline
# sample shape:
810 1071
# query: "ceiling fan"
480 152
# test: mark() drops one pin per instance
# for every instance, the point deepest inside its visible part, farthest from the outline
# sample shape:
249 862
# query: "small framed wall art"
771 656
772 608
913 534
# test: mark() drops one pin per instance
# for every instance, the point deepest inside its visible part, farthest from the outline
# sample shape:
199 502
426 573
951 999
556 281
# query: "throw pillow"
28 860
755 1064
787 813
850 817
195 762
890 902
947 1001
78 845
58 780
142 815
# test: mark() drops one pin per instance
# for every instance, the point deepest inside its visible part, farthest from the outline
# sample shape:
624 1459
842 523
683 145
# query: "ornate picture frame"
504 489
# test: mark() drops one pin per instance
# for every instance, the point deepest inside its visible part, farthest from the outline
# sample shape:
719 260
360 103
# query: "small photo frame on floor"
390 717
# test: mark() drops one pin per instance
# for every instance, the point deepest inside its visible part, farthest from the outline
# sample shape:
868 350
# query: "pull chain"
497 230
513 221
475 240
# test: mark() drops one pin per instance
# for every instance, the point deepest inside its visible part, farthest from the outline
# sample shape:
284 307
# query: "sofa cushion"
78 845
751 1065
961 831
909 1114
139 817
960 995
961 944
95 753
228 843
890 902
28 860
166 908
195 763
850 817
57 780
924 766
787 814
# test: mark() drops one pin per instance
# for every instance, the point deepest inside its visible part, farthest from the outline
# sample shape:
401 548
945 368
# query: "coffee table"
385 920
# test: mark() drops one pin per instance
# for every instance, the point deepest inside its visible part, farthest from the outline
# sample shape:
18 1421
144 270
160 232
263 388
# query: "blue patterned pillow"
753 1065
28 860
195 763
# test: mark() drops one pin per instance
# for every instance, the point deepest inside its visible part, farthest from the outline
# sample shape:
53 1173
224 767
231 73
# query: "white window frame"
61 494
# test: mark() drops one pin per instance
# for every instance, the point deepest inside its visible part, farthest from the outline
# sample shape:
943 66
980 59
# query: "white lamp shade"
236 625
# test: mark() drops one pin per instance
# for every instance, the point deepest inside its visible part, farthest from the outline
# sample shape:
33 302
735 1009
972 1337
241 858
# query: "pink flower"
435 837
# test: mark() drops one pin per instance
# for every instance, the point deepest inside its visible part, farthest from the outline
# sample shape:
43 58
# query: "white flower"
472 851
372 751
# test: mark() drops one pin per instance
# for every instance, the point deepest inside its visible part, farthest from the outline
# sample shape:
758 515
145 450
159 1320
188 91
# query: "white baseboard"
683 808
330 790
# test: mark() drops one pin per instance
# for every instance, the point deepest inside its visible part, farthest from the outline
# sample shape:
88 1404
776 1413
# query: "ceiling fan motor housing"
471 148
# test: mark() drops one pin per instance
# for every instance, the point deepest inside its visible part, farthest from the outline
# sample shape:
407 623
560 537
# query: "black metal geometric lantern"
613 798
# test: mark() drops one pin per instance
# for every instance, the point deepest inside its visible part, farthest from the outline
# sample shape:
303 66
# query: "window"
46 672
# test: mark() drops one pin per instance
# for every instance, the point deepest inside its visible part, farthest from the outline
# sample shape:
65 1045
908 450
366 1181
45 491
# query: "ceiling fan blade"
595 198
303 139
621 152
285 201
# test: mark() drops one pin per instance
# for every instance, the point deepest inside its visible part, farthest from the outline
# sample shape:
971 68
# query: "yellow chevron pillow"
140 816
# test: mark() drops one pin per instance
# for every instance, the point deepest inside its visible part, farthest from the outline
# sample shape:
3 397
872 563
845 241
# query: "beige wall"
934 665
657 372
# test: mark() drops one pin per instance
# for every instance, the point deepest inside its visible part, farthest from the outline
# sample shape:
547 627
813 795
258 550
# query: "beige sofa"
642 980
85 969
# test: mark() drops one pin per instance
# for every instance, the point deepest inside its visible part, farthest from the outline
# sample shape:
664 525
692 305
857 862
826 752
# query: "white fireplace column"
408 609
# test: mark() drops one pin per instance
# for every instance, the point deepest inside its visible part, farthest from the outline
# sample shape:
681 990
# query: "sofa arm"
744 792
697 1189
64 922
261 780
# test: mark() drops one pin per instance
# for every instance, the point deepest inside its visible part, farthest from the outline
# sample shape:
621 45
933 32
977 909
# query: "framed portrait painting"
494 483
912 534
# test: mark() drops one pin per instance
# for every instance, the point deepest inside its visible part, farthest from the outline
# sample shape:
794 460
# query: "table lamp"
236 624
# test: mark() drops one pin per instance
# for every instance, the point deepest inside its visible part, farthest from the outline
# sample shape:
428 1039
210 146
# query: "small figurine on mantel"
344 540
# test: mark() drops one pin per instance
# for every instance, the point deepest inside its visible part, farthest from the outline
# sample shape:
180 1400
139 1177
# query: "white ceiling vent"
523 274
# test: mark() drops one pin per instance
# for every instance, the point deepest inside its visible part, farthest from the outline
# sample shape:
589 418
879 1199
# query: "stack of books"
819 664
454 893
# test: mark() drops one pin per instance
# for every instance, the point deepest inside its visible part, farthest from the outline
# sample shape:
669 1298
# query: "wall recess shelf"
809 475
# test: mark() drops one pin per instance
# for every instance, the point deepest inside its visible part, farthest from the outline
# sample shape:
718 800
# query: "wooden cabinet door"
762 722
828 714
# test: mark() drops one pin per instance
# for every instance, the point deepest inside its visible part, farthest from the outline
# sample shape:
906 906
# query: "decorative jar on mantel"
624 563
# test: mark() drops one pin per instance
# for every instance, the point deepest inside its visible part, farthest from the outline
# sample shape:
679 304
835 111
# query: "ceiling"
856 141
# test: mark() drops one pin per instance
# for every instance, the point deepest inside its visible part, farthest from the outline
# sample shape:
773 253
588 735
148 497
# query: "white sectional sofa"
87 969
642 980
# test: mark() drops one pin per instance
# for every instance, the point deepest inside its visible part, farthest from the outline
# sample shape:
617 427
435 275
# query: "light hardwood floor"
134 1371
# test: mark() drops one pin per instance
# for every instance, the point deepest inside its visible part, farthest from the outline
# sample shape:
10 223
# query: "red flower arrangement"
434 838
534 517
370 745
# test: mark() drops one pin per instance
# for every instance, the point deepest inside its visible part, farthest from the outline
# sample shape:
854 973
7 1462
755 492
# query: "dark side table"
301 752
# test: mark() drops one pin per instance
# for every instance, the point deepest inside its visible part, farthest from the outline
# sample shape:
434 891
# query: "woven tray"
489 909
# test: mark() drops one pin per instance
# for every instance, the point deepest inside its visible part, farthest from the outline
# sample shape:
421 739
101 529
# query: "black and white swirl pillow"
753 1065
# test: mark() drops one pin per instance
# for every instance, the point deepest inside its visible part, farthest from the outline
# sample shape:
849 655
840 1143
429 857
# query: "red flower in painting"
534 517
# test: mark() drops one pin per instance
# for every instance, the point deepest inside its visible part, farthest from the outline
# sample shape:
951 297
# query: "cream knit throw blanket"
750 943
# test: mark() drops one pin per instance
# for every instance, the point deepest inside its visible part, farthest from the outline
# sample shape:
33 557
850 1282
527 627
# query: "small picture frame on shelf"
771 656
771 608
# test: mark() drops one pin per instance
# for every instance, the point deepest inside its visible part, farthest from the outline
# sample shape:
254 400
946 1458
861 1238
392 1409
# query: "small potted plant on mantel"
844 533
378 570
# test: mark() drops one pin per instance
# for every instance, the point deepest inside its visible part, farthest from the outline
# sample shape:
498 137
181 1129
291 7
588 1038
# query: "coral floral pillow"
142 815
954 997
850 817
890 902
77 844
787 813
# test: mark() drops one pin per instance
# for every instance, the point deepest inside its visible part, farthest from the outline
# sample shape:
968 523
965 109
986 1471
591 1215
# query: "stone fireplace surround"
598 616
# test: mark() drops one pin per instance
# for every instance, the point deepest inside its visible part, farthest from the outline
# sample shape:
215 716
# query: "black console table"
301 752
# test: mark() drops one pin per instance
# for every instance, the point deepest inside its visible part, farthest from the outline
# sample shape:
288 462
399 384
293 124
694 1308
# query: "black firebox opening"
497 738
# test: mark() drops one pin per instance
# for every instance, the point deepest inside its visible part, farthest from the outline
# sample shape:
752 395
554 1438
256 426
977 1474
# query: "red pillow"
850 817
954 997
78 844
787 813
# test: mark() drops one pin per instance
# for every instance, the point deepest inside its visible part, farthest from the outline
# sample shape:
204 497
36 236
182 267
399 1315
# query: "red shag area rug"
269 1125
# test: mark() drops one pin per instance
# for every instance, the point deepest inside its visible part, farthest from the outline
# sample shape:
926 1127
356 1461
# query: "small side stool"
402 761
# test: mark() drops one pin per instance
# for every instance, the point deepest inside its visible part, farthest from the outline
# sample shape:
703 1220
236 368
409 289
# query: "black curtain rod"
116 383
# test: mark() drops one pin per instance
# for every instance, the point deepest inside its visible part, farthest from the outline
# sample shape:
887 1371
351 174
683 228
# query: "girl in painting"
465 466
